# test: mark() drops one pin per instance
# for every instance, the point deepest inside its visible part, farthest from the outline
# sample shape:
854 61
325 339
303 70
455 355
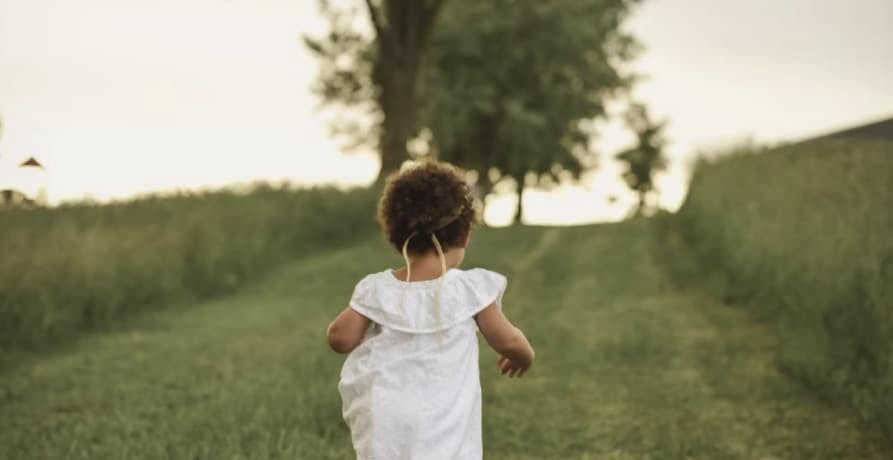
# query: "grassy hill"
802 236
630 366
876 131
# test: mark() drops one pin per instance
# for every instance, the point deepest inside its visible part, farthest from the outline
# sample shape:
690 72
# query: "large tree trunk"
402 29
398 103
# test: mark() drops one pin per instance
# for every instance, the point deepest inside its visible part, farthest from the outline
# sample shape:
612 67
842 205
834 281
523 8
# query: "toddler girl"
410 387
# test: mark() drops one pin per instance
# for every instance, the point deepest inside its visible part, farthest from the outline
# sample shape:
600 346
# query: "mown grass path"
629 367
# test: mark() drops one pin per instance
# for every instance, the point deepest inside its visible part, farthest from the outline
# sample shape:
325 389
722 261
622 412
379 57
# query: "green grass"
629 366
76 268
803 237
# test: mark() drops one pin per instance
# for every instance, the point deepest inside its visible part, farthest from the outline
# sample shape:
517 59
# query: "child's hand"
511 368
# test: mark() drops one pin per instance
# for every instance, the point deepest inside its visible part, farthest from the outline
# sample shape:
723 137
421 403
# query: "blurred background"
158 155
117 99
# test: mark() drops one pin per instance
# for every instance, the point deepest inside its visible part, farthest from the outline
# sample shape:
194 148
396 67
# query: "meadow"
81 267
748 326
801 236
630 366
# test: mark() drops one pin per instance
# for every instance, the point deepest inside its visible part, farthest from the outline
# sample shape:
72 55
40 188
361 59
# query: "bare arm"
507 340
347 330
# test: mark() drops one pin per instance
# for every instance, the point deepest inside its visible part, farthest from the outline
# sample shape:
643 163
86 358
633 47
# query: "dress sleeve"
359 298
380 303
483 288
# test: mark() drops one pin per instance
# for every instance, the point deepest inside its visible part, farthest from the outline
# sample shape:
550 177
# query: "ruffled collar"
388 276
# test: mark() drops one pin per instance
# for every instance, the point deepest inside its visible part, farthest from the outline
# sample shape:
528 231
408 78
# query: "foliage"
646 157
801 236
346 58
78 267
356 70
628 368
504 89
514 88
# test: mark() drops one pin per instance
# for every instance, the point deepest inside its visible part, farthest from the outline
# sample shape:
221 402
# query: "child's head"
431 197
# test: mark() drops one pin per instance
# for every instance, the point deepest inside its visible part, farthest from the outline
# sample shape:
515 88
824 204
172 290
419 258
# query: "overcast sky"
118 97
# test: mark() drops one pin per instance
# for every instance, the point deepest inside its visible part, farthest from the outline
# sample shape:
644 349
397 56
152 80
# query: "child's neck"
427 266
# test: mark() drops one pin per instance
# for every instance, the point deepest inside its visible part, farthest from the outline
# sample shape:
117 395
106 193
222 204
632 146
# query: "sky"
120 97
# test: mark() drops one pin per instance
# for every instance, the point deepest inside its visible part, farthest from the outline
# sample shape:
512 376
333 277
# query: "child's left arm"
347 331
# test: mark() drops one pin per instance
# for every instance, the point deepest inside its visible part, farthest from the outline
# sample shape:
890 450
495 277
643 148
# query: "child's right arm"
507 340
347 331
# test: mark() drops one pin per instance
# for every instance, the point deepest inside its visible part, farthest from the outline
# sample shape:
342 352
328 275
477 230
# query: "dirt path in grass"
629 367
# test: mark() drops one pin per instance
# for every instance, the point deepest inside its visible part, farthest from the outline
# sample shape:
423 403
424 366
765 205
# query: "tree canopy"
646 158
515 89
497 87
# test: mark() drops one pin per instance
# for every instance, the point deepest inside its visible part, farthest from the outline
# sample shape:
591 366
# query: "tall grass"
803 236
72 268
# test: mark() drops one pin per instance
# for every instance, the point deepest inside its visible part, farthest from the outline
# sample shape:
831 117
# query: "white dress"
411 390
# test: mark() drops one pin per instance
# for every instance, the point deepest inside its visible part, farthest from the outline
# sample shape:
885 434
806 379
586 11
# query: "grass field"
801 236
76 268
630 366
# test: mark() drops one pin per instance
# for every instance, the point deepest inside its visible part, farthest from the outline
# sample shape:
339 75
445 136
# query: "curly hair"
431 197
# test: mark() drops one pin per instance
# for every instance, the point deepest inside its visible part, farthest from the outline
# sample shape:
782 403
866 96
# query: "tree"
646 158
513 90
504 89
356 70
